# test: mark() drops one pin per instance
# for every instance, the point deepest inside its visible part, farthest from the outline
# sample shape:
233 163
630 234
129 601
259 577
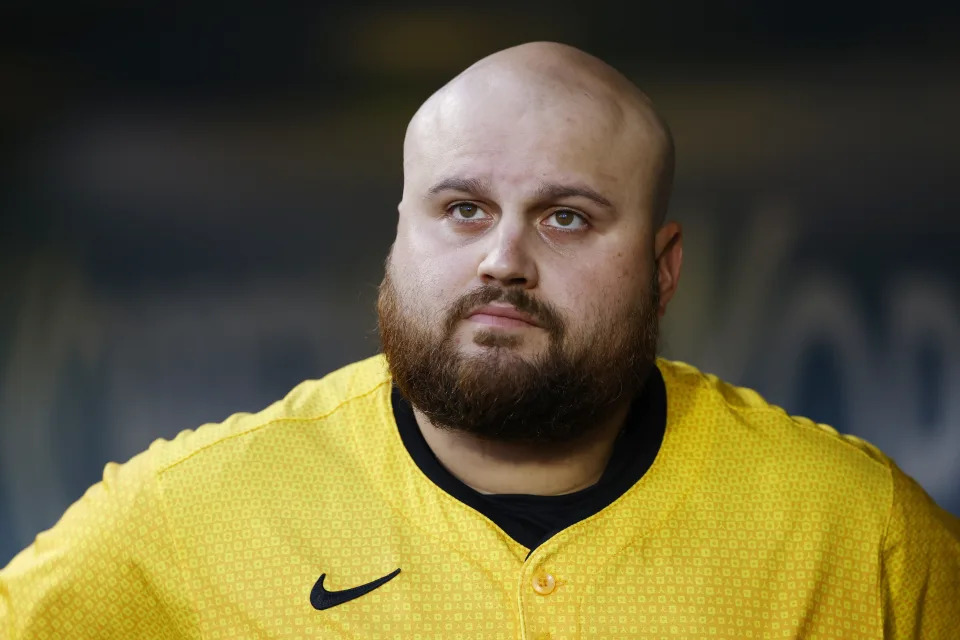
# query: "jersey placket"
548 604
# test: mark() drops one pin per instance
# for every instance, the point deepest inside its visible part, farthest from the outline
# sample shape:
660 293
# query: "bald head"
545 90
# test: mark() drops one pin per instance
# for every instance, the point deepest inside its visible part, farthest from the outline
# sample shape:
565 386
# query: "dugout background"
197 199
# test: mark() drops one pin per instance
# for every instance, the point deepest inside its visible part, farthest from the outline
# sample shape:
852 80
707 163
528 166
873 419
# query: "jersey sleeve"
920 583
107 569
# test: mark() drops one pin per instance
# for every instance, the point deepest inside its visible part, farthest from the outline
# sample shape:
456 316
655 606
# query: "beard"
574 385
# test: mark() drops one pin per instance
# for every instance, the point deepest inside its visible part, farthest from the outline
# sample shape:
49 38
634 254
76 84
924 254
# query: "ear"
668 252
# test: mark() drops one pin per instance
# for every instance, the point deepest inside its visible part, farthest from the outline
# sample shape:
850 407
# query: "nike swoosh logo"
322 599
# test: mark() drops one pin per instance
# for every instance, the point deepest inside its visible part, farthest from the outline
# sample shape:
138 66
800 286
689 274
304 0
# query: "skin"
539 167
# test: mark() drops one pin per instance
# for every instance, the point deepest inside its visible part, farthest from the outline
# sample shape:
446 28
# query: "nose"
507 261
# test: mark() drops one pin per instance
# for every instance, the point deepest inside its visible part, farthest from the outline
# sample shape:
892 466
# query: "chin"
500 359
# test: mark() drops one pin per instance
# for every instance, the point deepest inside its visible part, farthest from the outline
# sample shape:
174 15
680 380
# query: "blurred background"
197 199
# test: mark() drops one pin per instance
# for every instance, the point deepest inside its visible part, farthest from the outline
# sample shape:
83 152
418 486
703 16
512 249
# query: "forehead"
524 138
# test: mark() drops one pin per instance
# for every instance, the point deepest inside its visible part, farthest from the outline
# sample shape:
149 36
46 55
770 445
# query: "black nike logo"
322 599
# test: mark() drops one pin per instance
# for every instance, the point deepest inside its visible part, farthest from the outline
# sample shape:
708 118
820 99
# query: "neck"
525 468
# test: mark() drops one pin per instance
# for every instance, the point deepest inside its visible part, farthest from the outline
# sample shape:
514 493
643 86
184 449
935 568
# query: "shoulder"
311 402
751 429
807 473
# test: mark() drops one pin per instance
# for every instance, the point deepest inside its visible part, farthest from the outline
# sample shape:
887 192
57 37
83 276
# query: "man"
518 463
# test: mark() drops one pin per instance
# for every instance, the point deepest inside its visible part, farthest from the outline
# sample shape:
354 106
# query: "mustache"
543 312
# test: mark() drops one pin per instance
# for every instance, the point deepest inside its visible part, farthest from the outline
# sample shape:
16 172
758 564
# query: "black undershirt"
529 519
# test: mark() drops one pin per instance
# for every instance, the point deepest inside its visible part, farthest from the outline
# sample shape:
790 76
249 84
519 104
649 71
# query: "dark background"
197 199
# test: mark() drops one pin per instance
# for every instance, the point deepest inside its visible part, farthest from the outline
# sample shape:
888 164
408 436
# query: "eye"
466 211
566 219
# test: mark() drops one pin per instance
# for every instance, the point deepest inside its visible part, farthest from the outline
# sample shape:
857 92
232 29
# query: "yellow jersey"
311 520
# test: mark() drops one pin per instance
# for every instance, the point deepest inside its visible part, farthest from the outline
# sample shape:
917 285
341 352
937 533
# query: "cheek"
598 290
427 285
424 235
445 271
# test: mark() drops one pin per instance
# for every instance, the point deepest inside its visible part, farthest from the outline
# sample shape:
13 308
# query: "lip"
504 316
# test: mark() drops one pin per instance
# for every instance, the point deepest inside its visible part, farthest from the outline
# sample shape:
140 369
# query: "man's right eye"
464 211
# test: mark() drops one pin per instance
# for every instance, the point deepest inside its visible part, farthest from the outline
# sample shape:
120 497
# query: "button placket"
543 601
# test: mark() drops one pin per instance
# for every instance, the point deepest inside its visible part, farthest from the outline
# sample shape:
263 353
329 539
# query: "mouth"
505 316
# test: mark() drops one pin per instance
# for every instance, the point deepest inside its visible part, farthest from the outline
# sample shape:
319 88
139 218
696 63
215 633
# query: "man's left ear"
668 251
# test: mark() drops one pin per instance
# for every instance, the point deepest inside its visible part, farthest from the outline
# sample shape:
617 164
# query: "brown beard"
500 395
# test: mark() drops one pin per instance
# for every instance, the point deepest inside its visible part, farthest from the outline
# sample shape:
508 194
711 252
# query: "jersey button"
544 584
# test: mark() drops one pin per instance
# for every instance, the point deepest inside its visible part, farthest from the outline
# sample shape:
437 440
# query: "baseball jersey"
311 520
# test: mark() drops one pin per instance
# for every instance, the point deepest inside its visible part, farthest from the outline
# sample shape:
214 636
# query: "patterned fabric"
749 524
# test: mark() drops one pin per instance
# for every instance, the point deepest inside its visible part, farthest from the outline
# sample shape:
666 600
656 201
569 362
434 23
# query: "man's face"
520 290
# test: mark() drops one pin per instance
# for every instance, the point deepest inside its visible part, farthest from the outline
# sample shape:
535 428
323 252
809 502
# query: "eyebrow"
546 191
466 185
553 191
